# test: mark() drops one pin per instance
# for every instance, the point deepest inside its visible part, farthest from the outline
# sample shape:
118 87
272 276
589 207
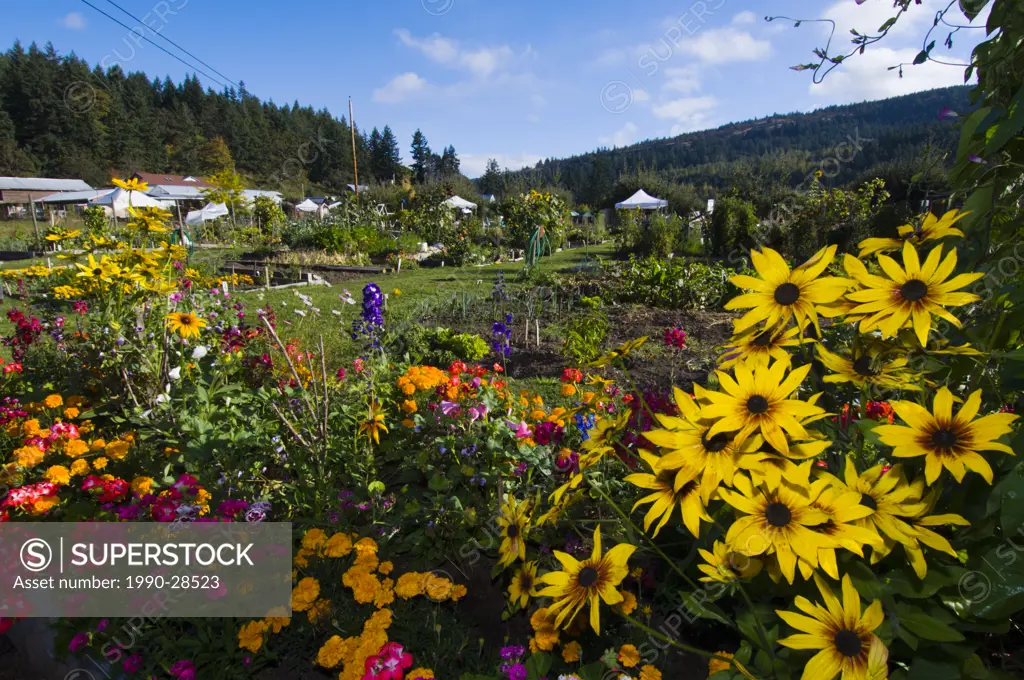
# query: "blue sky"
518 81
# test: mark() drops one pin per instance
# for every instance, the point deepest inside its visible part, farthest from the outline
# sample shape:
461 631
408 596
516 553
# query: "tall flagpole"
355 163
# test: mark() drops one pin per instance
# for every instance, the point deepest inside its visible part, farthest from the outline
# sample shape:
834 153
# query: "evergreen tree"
422 157
390 155
449 163
493 181
377 164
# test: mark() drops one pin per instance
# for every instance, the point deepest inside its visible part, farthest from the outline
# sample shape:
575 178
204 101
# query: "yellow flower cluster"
421 378
368 579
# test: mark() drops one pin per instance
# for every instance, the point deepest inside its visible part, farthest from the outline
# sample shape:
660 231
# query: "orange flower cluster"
421 378
368 579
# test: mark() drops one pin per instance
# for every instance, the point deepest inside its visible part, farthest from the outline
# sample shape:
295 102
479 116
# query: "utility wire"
130 28
165 38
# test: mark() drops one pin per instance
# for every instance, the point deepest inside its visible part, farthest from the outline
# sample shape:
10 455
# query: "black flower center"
587 577
185 321
848 643
777 514
97 271
757 404
716 443
944 439
787 294
525 582
913 290
512 531
863 367
868 501
763 340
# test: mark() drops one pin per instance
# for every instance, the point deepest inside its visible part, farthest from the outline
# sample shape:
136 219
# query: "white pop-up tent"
118 201
307 206
459 203
209 213
642 200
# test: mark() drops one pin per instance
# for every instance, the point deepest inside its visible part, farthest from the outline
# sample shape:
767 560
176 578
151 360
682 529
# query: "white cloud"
641 95
481 62
74 20
400 88
474 164
436 48
624 136
689 113
684 80
743 18
867 77
725 45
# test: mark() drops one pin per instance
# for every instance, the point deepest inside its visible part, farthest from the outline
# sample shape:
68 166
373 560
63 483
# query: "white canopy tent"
642 200
118 201
307 206
459 203
210 212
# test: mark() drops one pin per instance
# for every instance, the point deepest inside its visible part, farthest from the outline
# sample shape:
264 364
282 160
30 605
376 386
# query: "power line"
130 28
165 38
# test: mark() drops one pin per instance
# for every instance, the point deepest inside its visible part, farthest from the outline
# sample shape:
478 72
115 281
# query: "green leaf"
887 25
865 581
921 57
1011 490
538 665
926 626
924 668
906 583
1009 127
594 671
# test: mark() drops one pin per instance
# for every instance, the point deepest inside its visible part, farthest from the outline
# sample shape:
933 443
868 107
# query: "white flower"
162 397
300 312
199 352
174 373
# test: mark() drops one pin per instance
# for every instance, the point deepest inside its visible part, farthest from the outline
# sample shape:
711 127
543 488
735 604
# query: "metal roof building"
22 190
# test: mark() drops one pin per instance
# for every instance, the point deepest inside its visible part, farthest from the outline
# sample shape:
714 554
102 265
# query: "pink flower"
133 664
449 408
358 365
340 375
183 670
522 430
79 641
389 663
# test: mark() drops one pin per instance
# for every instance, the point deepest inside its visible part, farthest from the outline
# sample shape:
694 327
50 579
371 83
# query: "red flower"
389 663
498 368
572 375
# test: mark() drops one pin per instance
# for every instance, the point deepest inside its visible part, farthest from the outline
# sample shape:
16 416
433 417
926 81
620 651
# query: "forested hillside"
893 139
61 118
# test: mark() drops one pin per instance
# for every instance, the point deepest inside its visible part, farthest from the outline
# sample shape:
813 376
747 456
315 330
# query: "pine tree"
449 163
422 157
493 181
391 157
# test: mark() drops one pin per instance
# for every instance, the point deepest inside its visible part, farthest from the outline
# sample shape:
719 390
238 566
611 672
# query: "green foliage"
654 235
675 284
267 214
526 214
95 220
824 216
584 333
733 225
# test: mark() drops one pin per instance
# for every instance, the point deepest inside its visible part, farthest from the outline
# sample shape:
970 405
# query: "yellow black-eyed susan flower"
947 441
910 295
588 582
